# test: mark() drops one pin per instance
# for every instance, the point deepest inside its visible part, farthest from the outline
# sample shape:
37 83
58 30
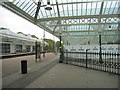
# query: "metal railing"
110 61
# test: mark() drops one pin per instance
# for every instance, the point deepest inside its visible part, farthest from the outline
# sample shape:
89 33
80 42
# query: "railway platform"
49 73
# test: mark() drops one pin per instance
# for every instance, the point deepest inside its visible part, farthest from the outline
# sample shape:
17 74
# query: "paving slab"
50 74
13 65
18 80
69 76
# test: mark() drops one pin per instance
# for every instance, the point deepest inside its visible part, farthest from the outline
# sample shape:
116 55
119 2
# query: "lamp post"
60 44
100 49
61 49
61 56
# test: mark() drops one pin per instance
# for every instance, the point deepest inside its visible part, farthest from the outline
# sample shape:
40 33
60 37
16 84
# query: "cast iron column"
60 60
100 52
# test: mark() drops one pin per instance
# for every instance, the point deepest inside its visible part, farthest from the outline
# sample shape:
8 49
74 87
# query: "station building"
12 43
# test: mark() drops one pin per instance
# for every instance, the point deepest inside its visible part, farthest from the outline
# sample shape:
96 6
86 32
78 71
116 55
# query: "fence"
110 61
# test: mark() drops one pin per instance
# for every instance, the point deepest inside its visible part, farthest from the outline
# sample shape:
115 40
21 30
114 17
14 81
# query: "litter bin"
24 66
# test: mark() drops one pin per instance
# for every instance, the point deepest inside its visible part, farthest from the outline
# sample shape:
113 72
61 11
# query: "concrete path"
68 76
13 65
34 71
50 74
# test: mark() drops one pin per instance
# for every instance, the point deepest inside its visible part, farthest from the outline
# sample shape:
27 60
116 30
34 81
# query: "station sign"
38 51
38 43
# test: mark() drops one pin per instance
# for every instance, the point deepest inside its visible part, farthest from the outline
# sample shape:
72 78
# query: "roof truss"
63 20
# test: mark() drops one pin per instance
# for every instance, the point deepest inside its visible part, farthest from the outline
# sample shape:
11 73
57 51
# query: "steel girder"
53 24
10 6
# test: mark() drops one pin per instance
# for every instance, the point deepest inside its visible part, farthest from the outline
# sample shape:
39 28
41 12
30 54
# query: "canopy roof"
77 21
4 32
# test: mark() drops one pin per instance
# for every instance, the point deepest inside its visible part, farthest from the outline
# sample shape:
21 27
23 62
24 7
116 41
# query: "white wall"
12 48
23 47
92 48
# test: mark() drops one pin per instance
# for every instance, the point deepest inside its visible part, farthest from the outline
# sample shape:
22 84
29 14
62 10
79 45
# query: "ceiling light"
48 7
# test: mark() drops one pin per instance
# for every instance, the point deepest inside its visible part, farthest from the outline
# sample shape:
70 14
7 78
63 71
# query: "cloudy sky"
17 24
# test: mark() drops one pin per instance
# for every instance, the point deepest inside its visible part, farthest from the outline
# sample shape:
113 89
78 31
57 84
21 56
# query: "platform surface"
68 76
49 73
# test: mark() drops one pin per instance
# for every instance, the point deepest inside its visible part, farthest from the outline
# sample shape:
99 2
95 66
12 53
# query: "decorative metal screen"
110 61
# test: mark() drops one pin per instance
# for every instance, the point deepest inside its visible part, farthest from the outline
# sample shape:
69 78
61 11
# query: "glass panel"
16 1
55 11
33 10
79 9
27 48
20 3
5 48
43 11
30 7
24 4
62 13
65 10
18 48
74 10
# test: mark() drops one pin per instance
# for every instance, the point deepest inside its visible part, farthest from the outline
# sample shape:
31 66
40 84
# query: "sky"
18 24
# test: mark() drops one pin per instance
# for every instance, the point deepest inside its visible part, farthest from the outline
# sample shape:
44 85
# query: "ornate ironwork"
90 60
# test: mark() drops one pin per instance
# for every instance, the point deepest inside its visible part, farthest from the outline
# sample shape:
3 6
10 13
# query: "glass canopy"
77 21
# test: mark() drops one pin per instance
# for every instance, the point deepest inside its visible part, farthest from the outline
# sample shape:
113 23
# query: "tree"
21 33
33 36
3 28
58 44
51 44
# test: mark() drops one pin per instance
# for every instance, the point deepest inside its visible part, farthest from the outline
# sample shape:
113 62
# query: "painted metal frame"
105 14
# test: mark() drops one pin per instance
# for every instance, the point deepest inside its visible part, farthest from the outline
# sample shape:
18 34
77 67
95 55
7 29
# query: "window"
5 48
28 48
18 48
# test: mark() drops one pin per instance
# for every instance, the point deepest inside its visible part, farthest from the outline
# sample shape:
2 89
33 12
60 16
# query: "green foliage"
3 28
51 43
33 36
21 33
58 44
50 46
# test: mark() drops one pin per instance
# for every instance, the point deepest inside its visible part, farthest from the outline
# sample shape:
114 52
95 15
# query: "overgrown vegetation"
21 33
52 44
33 36
3 28
49 47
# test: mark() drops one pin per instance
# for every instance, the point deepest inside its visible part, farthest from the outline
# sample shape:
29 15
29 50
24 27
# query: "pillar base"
60 61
